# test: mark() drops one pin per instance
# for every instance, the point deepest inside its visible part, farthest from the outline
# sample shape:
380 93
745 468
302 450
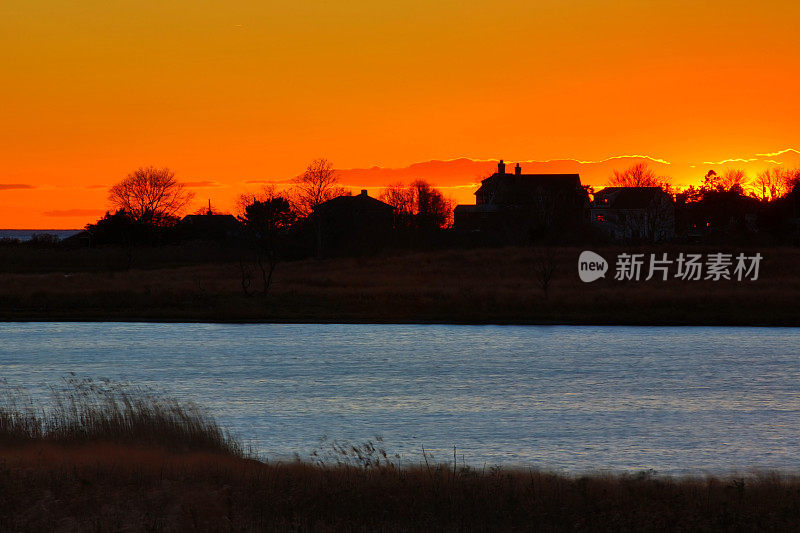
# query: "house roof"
530 181
359 201
211 219
628 197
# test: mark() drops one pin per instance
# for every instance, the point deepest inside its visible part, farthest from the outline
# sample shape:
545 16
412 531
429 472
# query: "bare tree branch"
150 194
639 175
318 184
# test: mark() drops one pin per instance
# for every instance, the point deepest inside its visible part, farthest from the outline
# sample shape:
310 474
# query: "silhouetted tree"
121 229
775 183
769 185
434 210
402 198
264 221
319 183
639 175
266 193
150 195
418 205
733 180
691 194
544 266
724 209
791 178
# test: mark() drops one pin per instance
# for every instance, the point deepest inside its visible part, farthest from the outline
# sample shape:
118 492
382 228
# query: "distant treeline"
303 221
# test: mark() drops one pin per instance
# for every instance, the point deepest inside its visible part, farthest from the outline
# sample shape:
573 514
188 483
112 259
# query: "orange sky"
227 93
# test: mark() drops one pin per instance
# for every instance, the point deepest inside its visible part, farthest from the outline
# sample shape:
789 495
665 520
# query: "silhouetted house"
209 226
634 214
525 204
352 221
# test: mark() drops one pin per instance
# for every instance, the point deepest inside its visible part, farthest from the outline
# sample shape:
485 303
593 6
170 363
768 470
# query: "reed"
114 457
119 487
85 410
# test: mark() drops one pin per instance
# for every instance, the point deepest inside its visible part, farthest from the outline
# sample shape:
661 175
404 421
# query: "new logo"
591 266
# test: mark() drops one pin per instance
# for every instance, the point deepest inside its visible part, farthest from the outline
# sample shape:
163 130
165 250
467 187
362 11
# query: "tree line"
148 203
274 225
730 206
771 184
150 199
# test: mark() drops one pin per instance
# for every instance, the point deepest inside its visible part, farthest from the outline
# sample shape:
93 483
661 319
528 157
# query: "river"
677 400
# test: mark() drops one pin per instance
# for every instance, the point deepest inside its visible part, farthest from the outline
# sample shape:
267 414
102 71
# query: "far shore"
460 286
144 320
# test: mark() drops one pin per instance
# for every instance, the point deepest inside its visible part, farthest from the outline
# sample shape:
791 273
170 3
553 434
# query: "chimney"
363 192
501 167
517 170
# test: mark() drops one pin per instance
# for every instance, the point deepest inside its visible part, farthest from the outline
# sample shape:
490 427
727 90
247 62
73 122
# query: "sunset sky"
231 94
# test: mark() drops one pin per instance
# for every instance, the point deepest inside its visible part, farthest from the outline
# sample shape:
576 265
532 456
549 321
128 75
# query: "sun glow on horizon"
235 93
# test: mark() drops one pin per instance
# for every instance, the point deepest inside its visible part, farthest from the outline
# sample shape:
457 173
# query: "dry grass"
107 487
88 465
470 286
85 410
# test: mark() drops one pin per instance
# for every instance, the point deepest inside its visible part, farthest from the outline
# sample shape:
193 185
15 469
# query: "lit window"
599 218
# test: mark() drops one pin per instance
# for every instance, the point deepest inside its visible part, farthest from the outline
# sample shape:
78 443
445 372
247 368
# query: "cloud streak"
779 152
732 160
12 186
202 184
611 158
558 159
261 182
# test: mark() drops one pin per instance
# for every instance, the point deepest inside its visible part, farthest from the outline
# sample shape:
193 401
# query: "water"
27 234
574 399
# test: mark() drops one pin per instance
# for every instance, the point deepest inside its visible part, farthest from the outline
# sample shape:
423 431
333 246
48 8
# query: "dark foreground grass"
493 285
149 467
117 487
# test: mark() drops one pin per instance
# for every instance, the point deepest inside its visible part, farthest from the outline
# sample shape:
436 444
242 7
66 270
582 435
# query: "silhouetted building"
209 226
347 221
634 214
525 204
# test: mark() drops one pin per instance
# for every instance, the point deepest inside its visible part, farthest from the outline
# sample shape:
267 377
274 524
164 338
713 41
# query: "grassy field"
106 458
453 286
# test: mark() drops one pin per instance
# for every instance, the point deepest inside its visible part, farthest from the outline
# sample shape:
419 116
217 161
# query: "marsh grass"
345 454
103 488
85 410
109 456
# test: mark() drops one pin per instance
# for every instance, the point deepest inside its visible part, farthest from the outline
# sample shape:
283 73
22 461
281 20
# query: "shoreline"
367 321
